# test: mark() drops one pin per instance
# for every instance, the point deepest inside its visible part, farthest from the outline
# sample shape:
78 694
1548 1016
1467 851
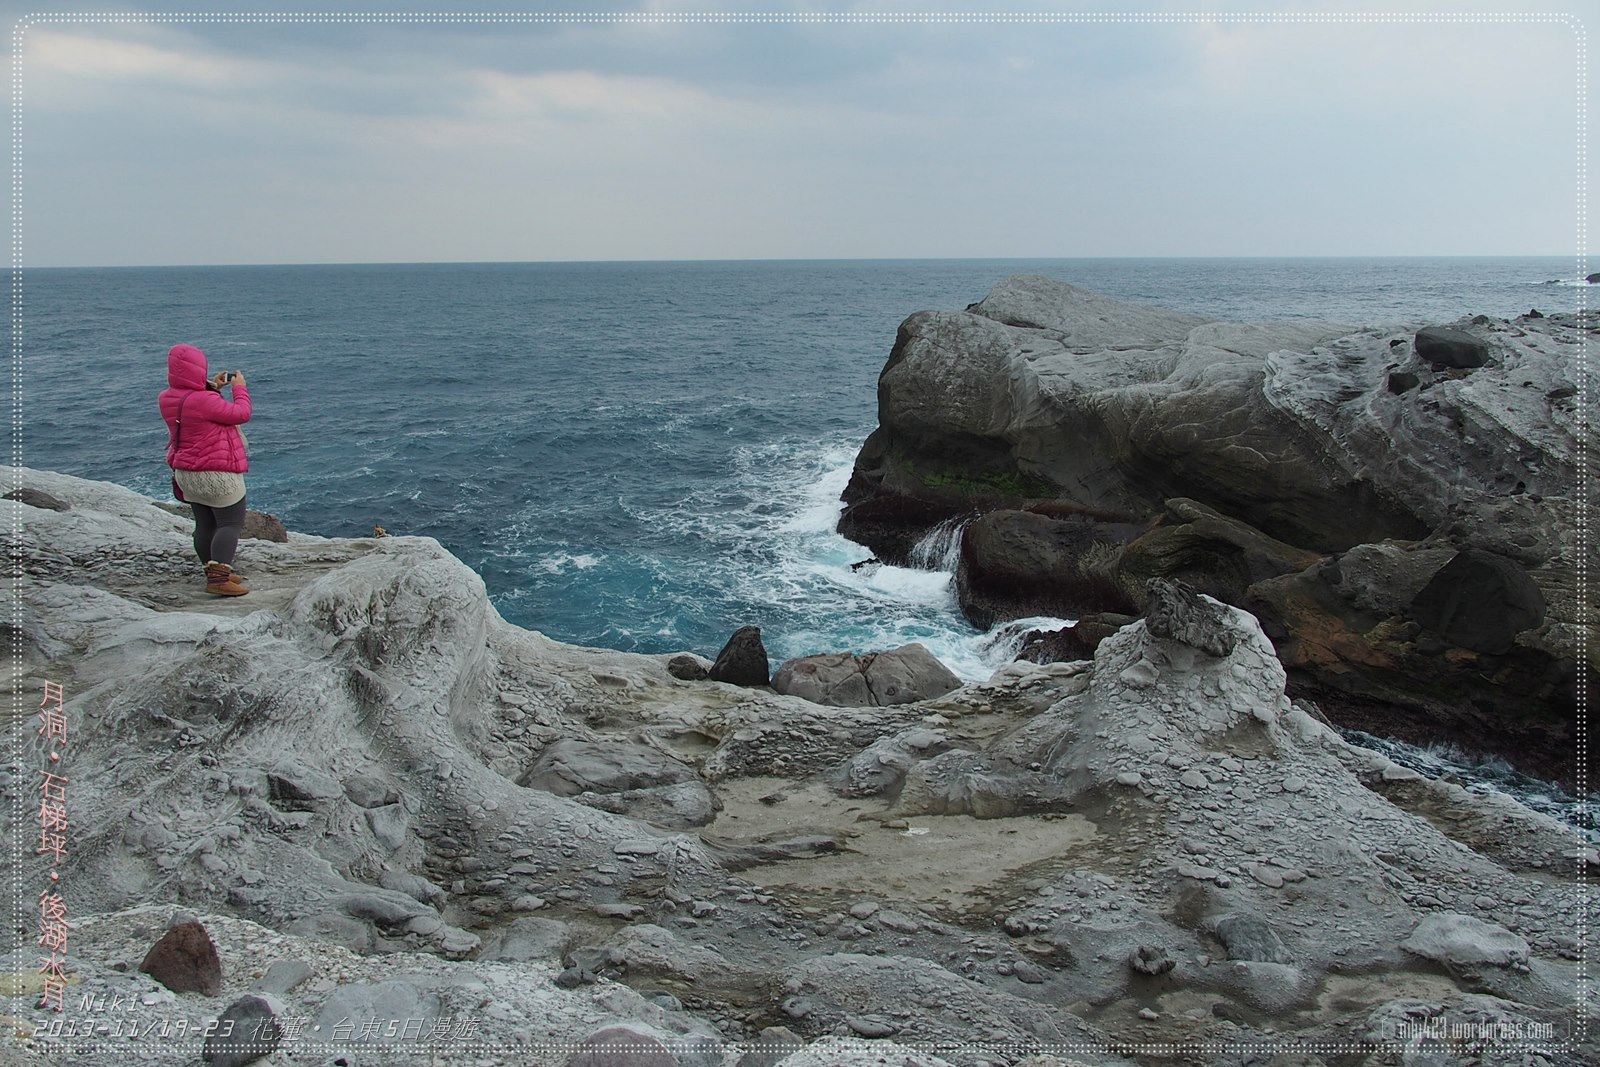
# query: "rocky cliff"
1324 476
416 834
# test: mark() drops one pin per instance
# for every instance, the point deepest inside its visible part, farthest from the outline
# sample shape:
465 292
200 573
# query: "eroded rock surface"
1102 444
361 769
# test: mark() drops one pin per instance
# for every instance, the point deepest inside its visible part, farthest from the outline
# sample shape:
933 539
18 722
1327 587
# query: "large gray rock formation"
1250 452
330 772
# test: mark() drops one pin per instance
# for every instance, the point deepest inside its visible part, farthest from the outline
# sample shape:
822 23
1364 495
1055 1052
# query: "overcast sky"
147 142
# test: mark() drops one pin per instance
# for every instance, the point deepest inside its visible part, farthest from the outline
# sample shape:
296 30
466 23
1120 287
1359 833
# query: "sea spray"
940 548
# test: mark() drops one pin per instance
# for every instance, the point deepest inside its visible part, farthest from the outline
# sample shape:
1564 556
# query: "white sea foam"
562 562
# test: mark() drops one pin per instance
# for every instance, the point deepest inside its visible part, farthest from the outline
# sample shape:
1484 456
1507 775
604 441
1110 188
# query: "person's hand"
236 378
219 379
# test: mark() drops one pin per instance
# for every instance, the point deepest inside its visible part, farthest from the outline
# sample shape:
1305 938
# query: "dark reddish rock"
185 961
264 527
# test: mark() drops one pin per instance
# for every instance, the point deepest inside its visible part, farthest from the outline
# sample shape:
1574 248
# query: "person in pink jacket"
206 452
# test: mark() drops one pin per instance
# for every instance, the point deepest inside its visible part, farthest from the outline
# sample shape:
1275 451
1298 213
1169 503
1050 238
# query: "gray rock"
248 1030
374 1014
771 1047
906 675
1401 381
414 886
1176 611
597 960
528 938
870 1025
389 825
832 679
302 789
368 792
282 976
569 767
839 679
1250 937
1151 960
631 1044
1015 564
743 660
382 906
882 765
672 807
1452 938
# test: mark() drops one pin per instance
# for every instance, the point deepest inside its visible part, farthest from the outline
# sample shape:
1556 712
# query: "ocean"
638 456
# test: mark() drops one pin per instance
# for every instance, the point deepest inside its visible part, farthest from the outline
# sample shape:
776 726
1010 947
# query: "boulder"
383 1017
678 806
1177 612
247 1030
743 660
689 668
1284 443
903 675
1443 346
185 961
1345 632
906 675
1402 381
1481 601
1250 937
529 938
264 527
1452 938
833 678
624 1045
771 1047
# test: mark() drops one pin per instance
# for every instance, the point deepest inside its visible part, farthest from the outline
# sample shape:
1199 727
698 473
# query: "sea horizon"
820 260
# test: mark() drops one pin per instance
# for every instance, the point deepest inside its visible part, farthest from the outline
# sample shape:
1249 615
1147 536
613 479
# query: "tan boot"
221 581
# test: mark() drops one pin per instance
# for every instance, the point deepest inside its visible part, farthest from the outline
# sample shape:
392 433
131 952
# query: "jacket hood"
186 367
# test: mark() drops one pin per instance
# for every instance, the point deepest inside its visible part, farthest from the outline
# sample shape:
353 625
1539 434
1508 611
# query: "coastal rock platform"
417 834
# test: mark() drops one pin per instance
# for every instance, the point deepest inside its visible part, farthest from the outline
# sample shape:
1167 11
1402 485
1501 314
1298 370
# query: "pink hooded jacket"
208 439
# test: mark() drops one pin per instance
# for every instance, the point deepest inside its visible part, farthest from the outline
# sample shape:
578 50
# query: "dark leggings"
217 530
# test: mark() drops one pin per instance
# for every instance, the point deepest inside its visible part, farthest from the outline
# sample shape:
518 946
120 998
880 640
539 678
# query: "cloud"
669 140
60 58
